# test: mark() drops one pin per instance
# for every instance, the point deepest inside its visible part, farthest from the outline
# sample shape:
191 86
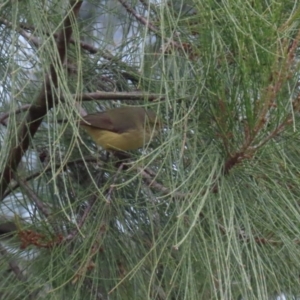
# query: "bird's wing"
98 120
104 121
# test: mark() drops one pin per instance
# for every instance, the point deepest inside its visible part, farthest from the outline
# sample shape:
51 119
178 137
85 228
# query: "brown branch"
96 96
91 49
281 73
119 96
140 18
4 116
275 132
248 150
41 105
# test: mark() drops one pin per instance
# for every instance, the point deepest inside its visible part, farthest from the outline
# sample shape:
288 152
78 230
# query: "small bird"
123 128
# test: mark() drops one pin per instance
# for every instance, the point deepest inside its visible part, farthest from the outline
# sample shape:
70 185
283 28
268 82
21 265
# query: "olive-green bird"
123 128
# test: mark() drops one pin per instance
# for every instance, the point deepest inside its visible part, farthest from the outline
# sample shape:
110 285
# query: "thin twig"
158 186
242 236
34 197
49 168
274 133
82 220
94 250
148 24
278 77
13 265
140 18
112 186
119 96
18 272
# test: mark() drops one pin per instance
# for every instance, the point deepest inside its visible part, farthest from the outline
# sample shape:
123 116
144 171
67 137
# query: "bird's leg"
123 158
107 155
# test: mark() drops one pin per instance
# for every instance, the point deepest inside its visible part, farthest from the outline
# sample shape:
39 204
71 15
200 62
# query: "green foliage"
208 210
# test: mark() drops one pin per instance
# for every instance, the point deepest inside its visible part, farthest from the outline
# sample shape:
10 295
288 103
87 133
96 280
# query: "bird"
123 128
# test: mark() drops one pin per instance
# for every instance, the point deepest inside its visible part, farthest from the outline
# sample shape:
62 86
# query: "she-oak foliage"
208 210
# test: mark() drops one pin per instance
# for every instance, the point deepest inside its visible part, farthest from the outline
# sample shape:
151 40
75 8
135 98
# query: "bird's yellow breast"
129 140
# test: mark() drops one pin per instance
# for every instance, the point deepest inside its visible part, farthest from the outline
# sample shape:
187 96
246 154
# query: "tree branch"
140 18
119 96
42 104
4 116
19 273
